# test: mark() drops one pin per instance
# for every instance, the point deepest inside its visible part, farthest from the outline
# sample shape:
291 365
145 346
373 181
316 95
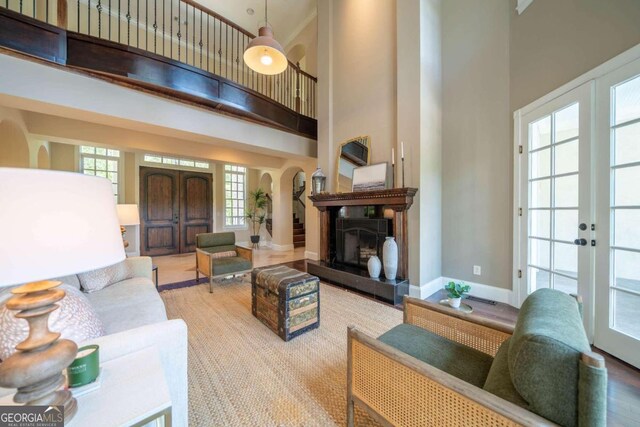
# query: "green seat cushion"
207 240
463 362
230 265
218 249
499 380
544 355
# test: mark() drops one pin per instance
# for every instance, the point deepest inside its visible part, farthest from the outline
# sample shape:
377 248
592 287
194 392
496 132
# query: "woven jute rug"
243 374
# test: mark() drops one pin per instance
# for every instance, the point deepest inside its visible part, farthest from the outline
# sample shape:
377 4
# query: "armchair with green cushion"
441 367
217 255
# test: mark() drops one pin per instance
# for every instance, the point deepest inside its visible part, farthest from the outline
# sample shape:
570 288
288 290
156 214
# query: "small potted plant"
256 213
456 291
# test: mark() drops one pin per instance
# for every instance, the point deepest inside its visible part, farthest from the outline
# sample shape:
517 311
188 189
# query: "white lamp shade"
265 55
128 214
54 224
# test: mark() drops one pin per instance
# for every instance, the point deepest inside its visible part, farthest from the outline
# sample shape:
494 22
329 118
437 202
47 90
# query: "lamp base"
36 368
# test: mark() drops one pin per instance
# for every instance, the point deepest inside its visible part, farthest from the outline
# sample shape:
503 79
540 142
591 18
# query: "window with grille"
234 195
102 162
154 158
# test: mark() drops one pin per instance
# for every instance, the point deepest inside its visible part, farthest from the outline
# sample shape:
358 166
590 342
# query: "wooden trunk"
285 300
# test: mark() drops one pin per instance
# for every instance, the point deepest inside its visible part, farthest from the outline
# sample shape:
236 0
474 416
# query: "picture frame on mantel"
370 178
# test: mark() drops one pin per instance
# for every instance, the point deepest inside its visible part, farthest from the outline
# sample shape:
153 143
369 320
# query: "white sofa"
134 318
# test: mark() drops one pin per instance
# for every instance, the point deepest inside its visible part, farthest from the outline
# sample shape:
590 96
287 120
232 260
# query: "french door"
618 189
579 193
556 212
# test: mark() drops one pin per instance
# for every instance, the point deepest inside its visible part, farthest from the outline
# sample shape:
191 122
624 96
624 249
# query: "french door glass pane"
566 157
625 313
565 284
627 270
566 192
540 253
540 133
627 144
540 194
627 101
627 228
566 225
540 223
538 278
540 163
565 259
627 186
566 123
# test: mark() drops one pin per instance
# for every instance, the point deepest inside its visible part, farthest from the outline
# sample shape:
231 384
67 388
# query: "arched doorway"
14 147
289 209
44 162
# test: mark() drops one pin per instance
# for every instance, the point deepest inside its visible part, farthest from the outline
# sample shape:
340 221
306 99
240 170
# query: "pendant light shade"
264 54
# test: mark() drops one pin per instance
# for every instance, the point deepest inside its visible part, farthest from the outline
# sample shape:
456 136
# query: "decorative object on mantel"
374 266
402 157
390 258
456 292
354 153
318 182
39 244
264 54
393 167
370 178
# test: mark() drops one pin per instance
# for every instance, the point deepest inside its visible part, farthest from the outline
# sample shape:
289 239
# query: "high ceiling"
286 17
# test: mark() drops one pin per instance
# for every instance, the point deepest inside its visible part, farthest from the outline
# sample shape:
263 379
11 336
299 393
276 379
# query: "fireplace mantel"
397 199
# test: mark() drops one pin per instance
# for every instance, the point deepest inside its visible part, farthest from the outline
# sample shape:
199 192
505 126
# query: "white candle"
402 150
393 156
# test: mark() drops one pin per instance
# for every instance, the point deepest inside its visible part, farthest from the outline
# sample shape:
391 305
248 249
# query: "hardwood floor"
623 394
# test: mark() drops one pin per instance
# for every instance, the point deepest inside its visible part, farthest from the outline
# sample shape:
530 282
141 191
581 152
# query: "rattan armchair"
399 390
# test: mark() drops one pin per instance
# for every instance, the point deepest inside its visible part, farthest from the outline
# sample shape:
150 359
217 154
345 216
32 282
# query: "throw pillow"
95 280
225 254
75 319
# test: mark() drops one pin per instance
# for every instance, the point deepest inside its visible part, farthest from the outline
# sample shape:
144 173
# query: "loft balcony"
173 48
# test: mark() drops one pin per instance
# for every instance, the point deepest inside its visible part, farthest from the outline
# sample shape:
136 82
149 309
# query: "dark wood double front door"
174 207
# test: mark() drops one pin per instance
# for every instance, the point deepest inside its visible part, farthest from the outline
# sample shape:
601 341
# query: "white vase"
374 265
455 302
390 258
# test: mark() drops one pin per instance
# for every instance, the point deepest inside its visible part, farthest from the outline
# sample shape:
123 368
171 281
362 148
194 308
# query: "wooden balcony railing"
181 30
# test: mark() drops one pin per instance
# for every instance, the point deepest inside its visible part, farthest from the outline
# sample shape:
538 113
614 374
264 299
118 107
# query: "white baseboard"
485 291
282 247
427 289
311 255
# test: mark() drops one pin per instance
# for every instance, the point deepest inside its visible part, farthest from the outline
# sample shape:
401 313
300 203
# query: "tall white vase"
374 265
390 258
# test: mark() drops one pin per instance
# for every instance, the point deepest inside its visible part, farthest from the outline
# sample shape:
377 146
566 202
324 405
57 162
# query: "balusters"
99 8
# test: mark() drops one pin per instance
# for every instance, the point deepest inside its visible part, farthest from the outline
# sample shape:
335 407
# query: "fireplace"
359 239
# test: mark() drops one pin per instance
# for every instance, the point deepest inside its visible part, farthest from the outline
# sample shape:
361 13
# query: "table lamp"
53 224
127 215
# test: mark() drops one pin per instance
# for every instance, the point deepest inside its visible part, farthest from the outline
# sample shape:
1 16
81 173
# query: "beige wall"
14 146
308 38
553 42
476 157
64 157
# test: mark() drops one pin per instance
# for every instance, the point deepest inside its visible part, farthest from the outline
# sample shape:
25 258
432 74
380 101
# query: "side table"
154 269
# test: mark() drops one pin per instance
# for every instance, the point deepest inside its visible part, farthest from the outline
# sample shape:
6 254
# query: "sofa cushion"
128 304
71 280
463 362
499 380
230 265
544 354
96 280
75 319
206 240
219 249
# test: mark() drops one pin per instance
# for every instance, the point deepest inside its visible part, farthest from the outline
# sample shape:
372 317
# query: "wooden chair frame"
399 390
205 262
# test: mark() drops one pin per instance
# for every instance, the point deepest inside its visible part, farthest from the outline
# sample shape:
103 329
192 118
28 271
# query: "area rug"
243 374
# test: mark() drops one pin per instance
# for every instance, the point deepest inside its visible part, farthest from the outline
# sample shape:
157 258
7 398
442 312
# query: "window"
154 158
101 162
234 195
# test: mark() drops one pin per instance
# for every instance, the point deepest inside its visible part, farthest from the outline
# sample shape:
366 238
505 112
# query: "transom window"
165 160
234 195
101 162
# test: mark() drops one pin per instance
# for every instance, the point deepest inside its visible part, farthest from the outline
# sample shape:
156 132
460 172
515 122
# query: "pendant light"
264 54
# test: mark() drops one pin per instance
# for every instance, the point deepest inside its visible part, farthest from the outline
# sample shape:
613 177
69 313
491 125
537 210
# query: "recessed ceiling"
286 17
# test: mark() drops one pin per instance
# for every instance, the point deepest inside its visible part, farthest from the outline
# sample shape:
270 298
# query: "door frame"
607 67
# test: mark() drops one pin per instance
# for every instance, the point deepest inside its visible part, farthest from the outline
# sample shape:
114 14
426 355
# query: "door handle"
580 242
582 226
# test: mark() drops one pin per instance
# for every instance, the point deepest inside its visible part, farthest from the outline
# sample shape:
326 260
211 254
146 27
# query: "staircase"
298 233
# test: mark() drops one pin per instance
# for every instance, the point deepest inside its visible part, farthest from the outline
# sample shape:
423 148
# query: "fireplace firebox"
359 239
